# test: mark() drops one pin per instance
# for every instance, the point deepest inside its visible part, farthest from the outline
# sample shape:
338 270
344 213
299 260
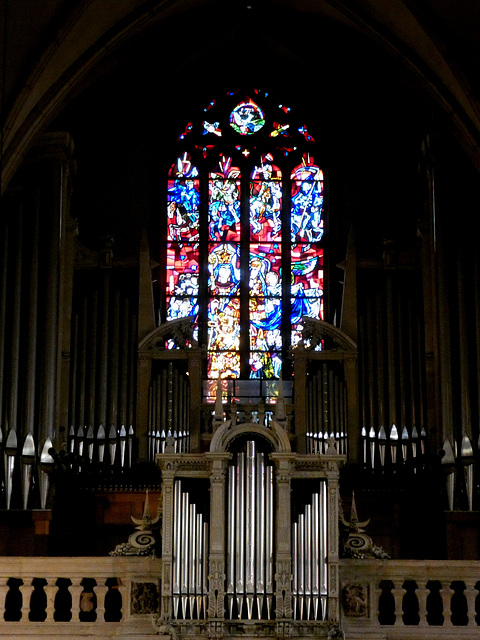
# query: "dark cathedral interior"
103 391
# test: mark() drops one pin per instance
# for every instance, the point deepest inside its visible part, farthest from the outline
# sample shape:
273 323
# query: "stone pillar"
216 565
168 468
283 557
333 542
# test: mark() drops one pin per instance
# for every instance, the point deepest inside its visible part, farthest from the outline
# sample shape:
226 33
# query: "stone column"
333 542
283 557
168 467
216 565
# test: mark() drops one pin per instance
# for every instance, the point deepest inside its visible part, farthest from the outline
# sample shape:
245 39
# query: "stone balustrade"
410 598
105 597
119 597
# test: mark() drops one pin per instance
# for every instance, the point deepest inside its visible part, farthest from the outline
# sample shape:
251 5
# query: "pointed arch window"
244 231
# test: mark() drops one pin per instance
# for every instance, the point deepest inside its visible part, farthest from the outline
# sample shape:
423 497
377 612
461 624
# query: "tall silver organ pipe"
309 567
250 536
327 414
168 411
190 552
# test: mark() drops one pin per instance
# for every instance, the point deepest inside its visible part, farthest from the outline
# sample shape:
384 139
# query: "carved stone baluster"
471 595
446 592
398 593
101 591
76 590
422 594
26 589
124 591
50 591
3 594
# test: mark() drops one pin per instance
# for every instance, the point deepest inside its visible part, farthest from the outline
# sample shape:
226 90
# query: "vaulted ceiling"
52 51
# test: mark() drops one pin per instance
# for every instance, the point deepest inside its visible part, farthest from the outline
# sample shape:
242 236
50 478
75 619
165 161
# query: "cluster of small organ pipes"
116 449
190 550
380 450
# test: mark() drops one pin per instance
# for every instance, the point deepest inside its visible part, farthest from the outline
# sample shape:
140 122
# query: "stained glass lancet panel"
265 270
182 259
307 226
223 313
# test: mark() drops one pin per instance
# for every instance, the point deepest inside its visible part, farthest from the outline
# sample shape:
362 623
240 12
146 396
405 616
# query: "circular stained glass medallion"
247 118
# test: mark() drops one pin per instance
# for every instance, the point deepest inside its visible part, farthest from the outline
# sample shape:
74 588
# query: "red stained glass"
182 269
307 270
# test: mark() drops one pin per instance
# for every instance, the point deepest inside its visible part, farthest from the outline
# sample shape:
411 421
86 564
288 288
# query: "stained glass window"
244 231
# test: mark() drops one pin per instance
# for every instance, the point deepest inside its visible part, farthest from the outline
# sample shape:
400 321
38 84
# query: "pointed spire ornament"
358 544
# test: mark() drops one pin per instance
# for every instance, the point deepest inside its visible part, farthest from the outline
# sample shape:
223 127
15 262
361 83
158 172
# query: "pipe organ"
168 411
250 545
309 553
391 372
190 552
326 408
266 551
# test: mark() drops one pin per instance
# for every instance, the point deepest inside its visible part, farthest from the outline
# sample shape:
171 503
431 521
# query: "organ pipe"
309 550
250 535
15 334
326 401
190 551
3 313
93 342
32 329
103 368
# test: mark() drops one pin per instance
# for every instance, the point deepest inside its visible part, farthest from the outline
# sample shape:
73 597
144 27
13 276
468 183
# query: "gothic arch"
89 35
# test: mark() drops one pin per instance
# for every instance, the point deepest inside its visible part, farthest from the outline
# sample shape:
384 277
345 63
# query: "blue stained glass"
265 365
265 270
183 209
224 269
224 203
307 202
247 118
181 307
245 222
265 322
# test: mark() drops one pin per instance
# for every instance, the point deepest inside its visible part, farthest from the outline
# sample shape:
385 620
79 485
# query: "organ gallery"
239 346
